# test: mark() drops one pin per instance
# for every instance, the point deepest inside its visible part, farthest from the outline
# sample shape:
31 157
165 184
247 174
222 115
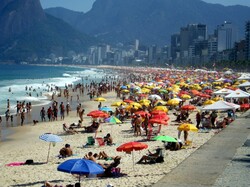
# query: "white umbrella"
51 138
154 96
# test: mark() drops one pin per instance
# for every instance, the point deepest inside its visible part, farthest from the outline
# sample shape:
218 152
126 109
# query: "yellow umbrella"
130 106
100 99
185 96
217 87
161 102
187 127
208 102
125 91
118 103
135 104
162 108
217 99
173 102
145 90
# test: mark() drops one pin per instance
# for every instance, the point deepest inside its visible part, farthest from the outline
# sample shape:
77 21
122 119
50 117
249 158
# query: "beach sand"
25 144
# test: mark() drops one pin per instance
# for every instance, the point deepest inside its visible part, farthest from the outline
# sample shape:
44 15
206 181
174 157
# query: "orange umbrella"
142 113
157 112
131 147
158 121
188 107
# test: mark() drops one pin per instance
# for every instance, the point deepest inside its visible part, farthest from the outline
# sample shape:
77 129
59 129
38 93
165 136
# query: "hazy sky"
85 5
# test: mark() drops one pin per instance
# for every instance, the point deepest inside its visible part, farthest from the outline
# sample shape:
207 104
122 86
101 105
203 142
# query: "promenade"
223 161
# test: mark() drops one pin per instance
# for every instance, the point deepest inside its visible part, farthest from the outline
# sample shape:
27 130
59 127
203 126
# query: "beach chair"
90 140
100 141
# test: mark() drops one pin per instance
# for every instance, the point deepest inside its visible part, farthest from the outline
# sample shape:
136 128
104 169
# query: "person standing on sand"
67 108
42 114
22 117
62 110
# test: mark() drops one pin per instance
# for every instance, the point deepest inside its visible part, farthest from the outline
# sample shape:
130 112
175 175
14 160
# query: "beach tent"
245 84
223 91
238 94
244 77
221 105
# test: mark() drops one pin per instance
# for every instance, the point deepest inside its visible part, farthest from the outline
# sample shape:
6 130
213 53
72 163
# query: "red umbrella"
142 113
245 106
128 101
158 112
164 117
208 91
188 107
158 121
204 95
97 114
94 112
131 147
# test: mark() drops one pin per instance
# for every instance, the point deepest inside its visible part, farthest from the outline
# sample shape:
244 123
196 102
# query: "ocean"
31 83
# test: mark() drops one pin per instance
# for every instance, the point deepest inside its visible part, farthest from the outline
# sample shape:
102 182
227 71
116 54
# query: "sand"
25 144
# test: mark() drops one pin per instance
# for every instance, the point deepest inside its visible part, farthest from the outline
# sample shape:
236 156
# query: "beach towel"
15 164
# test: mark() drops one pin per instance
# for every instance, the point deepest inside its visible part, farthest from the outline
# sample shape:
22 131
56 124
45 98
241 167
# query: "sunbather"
108 167
155 157
91 156
69 129
93 127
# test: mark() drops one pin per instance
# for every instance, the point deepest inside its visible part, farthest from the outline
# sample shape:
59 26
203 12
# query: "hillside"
152 21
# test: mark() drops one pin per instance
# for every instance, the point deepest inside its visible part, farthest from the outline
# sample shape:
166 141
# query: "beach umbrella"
135 104
185 96
154 96
128 101
100 99
187 127
162 108
106 109
118 103
123 87
97 114
188 107
51 138
142 113
131 147
114 120
80 167
208 102
161 117
158 121
173 102
245 106
157 112
165 138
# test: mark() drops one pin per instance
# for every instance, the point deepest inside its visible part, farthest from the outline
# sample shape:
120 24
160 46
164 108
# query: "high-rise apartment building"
226 36
190 34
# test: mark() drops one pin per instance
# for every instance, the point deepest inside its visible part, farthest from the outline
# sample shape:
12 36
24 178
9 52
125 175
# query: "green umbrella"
165 138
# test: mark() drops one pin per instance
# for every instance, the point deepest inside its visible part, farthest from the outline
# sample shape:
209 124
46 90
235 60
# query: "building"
226 34
188 36
175 46
247 40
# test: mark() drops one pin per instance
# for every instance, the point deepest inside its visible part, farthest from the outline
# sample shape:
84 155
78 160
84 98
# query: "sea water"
33 83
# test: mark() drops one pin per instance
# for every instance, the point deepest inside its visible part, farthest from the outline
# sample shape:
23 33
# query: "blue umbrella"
106 109
81 167
51 138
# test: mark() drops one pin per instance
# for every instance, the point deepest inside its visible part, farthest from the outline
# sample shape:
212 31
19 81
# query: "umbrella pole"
133 161
48 152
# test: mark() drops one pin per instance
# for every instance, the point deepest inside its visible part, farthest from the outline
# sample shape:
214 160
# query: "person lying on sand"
108 167
48 184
